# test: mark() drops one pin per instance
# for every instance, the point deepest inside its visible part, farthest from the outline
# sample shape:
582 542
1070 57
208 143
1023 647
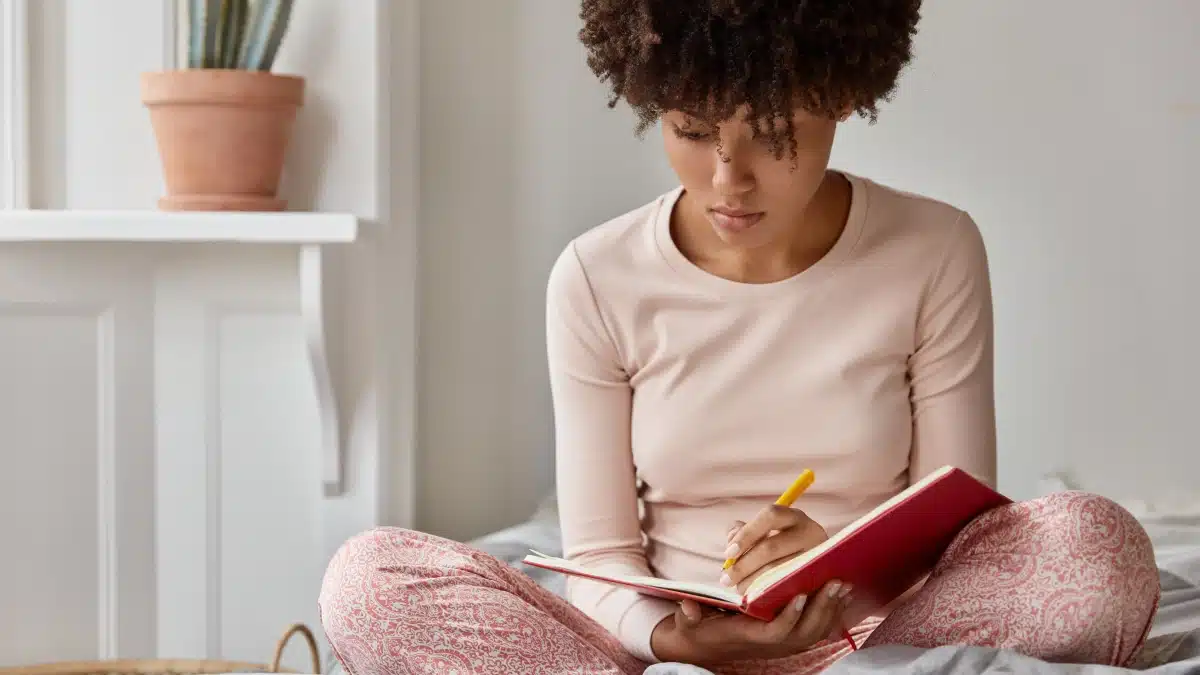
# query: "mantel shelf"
289 227
309 232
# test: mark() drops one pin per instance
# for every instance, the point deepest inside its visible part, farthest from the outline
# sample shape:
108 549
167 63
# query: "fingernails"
845 591
725 580
834 589
800 602
732 551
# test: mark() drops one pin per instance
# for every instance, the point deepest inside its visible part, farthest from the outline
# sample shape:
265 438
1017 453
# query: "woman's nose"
732 175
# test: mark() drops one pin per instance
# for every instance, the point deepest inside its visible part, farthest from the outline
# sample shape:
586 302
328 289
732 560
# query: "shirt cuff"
638 625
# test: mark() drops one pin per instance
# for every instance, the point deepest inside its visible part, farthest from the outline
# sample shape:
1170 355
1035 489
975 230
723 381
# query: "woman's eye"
690 135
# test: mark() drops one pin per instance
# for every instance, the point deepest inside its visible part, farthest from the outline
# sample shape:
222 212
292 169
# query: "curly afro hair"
709 58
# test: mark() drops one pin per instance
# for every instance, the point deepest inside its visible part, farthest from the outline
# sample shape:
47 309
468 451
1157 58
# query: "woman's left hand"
776 534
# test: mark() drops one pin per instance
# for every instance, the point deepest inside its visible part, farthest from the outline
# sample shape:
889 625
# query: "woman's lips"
734 221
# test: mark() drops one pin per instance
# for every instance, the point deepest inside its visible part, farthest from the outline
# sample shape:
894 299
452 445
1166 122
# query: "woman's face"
748 196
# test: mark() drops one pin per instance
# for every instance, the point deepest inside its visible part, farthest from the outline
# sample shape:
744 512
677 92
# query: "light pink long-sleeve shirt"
699 399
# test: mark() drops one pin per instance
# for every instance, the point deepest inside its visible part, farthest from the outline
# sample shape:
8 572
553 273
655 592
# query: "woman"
768 315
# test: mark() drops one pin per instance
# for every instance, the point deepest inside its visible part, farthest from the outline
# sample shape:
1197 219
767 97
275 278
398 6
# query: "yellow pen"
789 496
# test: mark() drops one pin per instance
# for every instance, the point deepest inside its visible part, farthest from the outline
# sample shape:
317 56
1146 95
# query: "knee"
1071 526
378 547
385 564
395 550
380 581
354 570
1095 530
1111 567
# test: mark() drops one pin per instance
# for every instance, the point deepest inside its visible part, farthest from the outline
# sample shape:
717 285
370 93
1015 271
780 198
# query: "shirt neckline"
837 254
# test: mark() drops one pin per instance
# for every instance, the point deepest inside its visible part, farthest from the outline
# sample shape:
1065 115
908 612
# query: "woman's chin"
748 237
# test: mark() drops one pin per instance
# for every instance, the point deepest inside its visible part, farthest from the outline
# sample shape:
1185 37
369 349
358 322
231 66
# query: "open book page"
770 577
705 590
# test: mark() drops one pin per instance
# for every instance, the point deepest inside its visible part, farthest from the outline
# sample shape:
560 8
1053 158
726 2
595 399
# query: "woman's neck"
807 242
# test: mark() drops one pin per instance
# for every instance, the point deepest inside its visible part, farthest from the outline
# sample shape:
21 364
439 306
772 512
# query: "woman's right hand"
701 637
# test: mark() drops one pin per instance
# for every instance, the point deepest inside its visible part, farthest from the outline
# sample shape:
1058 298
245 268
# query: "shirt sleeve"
951 369
596 480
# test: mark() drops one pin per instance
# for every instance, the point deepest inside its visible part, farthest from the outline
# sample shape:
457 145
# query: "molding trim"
318 303
109 616
107 577
399 36
14 99
213 589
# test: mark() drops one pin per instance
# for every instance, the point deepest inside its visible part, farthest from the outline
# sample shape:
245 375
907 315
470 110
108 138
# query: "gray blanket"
1166 653
1173 647
1180 654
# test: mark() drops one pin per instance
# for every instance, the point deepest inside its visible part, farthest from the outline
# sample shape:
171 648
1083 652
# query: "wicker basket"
174 666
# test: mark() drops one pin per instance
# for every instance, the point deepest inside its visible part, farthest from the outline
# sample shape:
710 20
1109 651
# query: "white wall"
1075 162
1071 131
519 154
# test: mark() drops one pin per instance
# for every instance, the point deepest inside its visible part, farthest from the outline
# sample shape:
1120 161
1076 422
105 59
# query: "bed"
1172 649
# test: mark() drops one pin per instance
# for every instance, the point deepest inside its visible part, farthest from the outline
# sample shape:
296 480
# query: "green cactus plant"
236 34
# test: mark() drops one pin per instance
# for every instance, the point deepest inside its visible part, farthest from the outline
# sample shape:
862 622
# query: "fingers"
737 526
688 615
824 613
782 626
802 623
771 518
776 548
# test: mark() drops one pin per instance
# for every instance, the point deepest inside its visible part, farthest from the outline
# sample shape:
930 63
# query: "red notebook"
882 554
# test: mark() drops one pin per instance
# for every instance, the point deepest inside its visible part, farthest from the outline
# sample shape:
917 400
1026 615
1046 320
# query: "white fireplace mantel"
189 387
305 229
310 233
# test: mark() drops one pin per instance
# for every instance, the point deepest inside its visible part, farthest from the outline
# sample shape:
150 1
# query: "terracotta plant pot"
222 136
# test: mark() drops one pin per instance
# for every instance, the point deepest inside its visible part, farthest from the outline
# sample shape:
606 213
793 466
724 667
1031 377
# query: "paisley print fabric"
1066 578
1069 578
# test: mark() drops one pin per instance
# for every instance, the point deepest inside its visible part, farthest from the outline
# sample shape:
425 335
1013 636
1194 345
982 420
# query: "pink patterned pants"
1069 578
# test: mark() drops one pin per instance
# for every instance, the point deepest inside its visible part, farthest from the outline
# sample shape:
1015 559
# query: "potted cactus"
223 124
